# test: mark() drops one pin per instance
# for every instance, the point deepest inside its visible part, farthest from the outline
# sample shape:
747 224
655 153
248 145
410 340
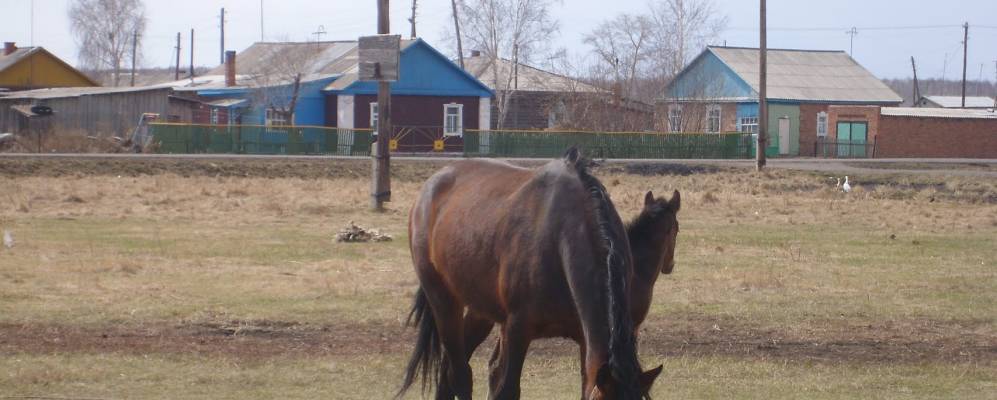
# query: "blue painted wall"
310 109
424 71
708 77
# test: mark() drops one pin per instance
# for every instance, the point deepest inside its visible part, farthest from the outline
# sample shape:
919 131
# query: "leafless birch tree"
517 30
682 28
104 31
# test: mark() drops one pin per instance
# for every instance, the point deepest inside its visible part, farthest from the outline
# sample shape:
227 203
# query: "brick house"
718 92
903 132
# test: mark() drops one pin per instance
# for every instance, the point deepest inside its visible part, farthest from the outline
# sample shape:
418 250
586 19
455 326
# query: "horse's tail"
427 356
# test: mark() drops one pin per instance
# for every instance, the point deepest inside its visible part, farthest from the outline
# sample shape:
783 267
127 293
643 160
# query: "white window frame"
822 124
456 129
375 116
675 118
749 124
274 118
709 118
214 116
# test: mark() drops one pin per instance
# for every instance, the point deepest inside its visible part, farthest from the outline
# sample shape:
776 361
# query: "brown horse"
540 252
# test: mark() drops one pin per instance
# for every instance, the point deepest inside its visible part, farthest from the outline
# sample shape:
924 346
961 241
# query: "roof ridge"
776 49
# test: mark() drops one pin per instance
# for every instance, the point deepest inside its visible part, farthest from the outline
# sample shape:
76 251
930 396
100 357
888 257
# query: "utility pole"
979 82
192 54
917 90
763 112
318 33
965 48
851 41
222 47
456 24
261 20
412 19
382 158
176 72
134 50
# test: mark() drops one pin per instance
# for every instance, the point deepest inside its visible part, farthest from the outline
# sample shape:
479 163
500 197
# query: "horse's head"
607 387
657 226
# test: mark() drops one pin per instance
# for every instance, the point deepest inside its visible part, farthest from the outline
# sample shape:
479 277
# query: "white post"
344 111
484 124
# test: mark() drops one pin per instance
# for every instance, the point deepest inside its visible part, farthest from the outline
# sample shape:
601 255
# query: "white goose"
846 186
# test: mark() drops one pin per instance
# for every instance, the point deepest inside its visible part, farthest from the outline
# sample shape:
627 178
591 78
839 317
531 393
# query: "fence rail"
258 139
608 144
844 149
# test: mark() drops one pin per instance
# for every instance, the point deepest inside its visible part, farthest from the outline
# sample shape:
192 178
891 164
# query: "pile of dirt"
354 233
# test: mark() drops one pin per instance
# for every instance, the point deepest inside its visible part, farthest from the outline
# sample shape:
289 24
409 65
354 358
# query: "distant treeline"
938 87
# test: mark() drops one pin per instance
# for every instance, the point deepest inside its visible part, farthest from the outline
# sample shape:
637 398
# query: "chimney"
475 53
8 48
230 68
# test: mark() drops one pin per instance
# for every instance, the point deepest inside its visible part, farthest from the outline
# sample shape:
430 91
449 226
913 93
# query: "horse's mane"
623 361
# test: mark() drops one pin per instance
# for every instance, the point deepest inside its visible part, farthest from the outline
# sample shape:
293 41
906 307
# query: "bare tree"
682 28
104 31
278 81
621 45
518 30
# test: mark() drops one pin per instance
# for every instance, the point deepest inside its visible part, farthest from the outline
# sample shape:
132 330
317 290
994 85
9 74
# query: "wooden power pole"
917 90
381 190
763 114
134 51
192 54
456 24
221 25
176 72
965 47
412 20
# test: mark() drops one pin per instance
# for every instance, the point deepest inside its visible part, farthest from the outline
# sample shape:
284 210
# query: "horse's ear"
676 202
571 156
648 199
647 378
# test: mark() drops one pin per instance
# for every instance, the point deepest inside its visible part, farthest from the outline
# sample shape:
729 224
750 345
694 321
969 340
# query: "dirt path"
918 341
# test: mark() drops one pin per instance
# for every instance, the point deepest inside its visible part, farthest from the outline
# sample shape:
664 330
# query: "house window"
275 118
713 119
214 116
675 118
453 119
373 117
822 124
749 124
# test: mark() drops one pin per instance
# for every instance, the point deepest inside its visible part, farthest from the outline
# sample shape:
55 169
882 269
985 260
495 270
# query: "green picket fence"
257 139
549 144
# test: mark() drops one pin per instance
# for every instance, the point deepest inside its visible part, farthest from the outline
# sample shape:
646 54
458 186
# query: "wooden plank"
379 57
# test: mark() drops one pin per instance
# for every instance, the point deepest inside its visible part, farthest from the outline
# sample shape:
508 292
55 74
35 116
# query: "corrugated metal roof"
530 78
308 58
808 75
956 101
928 112
55 93
21 53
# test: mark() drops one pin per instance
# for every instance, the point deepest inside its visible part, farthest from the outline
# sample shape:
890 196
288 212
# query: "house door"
784 135
852 139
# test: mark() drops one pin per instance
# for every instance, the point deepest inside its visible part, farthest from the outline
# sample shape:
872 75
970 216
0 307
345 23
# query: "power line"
869 28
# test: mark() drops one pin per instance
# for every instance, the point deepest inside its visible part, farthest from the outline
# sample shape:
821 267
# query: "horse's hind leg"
476 330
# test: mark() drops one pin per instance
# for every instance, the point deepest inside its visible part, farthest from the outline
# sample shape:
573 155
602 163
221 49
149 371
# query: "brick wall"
936 137
808 126
868 114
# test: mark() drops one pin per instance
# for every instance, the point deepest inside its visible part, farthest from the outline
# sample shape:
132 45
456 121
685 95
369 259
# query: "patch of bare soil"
888 342
306 168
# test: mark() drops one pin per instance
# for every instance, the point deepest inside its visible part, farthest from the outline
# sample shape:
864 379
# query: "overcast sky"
889 31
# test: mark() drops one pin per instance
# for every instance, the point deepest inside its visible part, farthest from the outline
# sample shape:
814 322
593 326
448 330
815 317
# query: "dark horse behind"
543 253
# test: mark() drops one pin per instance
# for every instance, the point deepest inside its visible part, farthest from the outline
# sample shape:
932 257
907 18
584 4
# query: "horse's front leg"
581 358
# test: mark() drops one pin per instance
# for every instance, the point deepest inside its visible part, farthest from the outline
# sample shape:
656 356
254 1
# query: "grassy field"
198 281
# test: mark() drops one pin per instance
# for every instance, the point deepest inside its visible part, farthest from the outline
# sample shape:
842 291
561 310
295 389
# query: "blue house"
718 92
433 99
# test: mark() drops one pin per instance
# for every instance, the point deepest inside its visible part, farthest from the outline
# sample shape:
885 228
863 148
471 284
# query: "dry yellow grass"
784 287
